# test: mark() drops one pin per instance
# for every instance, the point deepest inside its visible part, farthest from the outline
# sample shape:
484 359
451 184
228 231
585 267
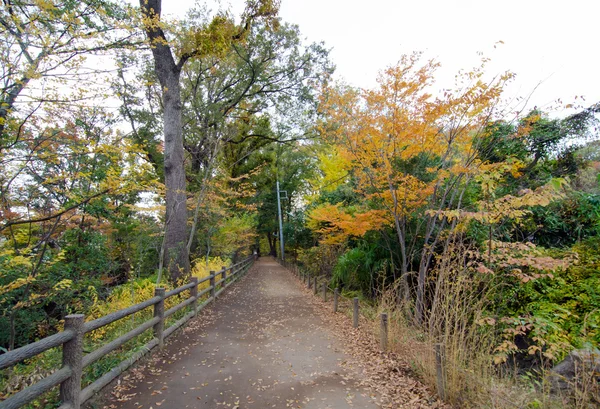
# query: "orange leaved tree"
411 155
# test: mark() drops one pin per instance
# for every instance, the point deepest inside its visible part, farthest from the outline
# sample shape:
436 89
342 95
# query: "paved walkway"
261 345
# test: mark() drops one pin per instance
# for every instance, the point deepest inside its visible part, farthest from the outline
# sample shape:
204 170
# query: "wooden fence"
71 340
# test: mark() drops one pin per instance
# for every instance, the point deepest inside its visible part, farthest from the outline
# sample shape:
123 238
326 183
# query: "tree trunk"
272 245
12 336
401 234
176 250
176 255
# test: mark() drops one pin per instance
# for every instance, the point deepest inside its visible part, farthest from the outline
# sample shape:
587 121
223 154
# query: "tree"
255 94
214 38
542 149
45 43
268 73
291 164
69 177
63 166
47 40
412 155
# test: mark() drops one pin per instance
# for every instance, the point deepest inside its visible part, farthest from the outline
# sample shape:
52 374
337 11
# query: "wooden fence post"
308 282
384 331
159 311
439 366
224 276
355 313
72 356
212 285
194 293
325 292
336 294
315 286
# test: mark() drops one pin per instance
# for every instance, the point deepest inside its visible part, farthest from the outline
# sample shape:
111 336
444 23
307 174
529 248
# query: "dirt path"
261 345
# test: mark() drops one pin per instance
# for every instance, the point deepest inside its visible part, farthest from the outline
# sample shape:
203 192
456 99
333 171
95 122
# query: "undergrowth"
475 343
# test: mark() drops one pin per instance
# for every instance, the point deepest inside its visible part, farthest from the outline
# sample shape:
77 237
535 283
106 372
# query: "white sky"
548 41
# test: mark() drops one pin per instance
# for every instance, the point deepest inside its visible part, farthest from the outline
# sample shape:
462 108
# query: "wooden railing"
320 284
71 340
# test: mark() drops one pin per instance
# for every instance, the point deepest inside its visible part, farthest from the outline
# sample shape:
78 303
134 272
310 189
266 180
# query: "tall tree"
411 155
270 72
259 92
213 38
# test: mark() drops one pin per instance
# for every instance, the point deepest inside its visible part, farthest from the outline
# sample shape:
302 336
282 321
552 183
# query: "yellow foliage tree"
411 154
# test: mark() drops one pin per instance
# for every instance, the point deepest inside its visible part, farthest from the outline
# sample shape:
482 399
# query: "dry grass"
457 320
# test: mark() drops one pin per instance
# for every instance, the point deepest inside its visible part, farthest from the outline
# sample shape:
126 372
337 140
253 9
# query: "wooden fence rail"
71 340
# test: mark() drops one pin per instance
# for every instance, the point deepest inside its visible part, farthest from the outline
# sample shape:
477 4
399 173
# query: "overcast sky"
555 43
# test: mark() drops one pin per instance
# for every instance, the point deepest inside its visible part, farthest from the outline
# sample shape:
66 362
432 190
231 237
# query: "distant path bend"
261 345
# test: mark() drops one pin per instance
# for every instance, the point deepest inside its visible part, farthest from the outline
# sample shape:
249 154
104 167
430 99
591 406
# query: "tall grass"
458 317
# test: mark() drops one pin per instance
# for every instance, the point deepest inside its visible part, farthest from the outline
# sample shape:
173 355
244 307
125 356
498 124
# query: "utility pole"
280 221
